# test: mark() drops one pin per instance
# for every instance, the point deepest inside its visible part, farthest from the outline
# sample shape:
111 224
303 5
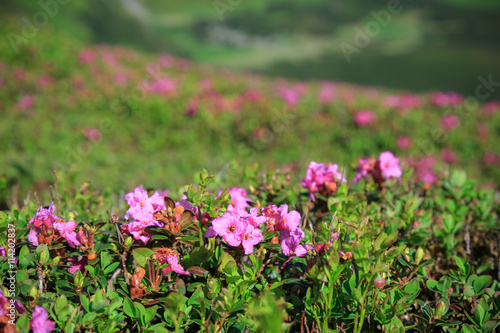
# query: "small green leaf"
141 255
480 283
130 309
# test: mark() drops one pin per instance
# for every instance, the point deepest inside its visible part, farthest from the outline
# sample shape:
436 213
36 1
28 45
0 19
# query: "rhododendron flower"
254 219
403 142
249 237
230 228
290 243
423 170
40 322
441 99
86 57
389 164
77 265
326 93
365 167
66 230
364 118
171 257
26 102
385 167
238 197
490 158
449 156
289 95
44 216
142 208
449 122
92 134
490 108
322 178
33 237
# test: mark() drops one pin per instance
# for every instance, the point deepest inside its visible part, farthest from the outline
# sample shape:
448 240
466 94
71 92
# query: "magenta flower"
423 170
449 122
40 322
449 156
364 118
389 165
230 228
250 237
86 57
26 102
289 95
403 142
288 220
364 168
490 108
290 243
171 257
441 99
239 197
44 216
254 219
326 93
33 237
66 230
77 265
92 134
322 178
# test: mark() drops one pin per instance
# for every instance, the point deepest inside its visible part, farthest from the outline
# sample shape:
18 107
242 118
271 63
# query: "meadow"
143 192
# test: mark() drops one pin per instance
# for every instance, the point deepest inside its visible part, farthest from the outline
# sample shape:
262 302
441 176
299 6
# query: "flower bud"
92 256
33 292
419 255
43 257
379 283
440 309
129 241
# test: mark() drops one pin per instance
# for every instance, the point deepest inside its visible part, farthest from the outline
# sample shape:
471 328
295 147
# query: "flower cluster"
238 227
385 167
287 224
322 178
8 313
47 228
142 208
171 257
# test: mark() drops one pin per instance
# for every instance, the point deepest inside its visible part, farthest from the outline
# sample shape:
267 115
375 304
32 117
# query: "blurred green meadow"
123 93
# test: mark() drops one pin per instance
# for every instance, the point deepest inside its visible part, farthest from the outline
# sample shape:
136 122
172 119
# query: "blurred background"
428 44
279 82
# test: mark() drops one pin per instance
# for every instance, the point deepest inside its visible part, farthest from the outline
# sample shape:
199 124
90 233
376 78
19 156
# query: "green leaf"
111 268
141 255
85 302
467 329
60 303
106 259
448 223
480 283
130 309
458 178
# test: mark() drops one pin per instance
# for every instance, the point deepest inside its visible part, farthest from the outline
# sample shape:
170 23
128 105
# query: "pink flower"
66 230
230 228
449 156
250 237
403 142
92 134
86 56
44 81
449 122
162 86
364 118
364 168
290 243
33 237
423 170
77 265
322 178
483 130
40 322
389 165
441 99
26 102
171 257
141 211
490 158
289 220
192 107
326 93
44 216
490 108
121 80
289 95
239 197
